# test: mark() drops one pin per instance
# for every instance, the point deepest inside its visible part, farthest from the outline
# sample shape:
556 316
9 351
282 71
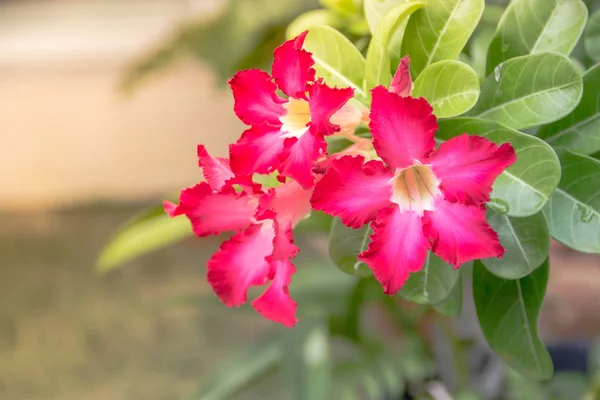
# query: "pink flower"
286 134
418 198
262 244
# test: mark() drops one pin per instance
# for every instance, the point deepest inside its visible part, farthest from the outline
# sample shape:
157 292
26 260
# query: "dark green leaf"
432 284
527 243
580 130
337 61
307 361
451 87
241 370
592 37
378 66
537 26
150 231
530 90
452 305
573 211
439 31
345 244
508 313
525 186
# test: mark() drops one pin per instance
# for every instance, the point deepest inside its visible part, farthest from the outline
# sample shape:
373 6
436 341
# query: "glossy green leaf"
573 211
452 305
526 240
150 231
345 244
432 284
526 185
310 19
337 61
580 130
508 313
241 370
592 37
378 66
537 26
530 90
451 87
375 10
307 363
346 7
439 31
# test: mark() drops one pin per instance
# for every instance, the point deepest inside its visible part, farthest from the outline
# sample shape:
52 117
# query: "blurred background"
93 129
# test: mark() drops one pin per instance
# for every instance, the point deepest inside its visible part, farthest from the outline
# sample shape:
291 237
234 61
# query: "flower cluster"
416 197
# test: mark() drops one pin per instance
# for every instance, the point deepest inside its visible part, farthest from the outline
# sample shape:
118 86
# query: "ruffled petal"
398 247
257 151
402 128
353 191
213 213
324 102
241 262
460 233
283 244
402 82
276 303
216 170
255 99
298 157
468 166
292 67
292 202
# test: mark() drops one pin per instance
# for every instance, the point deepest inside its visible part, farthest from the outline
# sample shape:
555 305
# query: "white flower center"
415 188
296 119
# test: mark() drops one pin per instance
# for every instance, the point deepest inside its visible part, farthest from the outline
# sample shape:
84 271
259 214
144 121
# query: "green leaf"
526 240
508 313
592 37
526 185
307 362
439 31
375 10
451 87
345 7
452 305
537 26
573 211
478 50
337 61
530 90
345 244
378 66
310 19
148 232
580 130
241 370
432 284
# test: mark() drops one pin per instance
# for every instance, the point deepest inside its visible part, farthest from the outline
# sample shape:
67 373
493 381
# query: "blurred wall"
68 136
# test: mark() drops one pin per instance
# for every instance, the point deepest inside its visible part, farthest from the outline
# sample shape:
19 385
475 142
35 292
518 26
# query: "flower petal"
241 262
255 99
275 303
257 151
468 166
283 244
402 82
402 128
460 233
292 202
298 157
292 67
213 213
216 170
398 247
353 191
324 102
